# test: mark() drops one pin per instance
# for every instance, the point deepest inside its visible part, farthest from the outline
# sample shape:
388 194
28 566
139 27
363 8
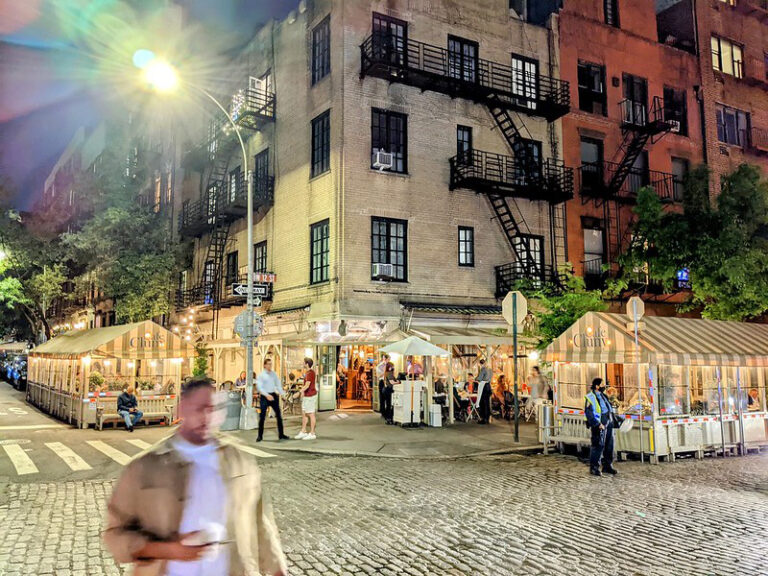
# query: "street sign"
261 290
635 308
241 325
507 308
264 278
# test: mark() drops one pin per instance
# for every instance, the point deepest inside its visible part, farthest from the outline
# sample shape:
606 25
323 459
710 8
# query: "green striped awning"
133 341
609 338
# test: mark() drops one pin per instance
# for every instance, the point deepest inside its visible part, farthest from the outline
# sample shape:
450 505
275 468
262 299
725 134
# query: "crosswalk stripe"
21 461
139 443
256 452
114 453
68 455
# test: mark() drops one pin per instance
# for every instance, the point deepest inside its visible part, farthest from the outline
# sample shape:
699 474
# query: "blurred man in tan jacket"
193 504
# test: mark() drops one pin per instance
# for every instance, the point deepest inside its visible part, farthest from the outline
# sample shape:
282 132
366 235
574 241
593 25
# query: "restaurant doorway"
356 377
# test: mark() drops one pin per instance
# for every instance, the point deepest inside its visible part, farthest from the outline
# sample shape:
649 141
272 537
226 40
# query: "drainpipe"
699 90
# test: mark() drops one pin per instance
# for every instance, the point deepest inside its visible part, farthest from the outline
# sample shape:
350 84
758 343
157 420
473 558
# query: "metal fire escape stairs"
508 214
221 149
638 129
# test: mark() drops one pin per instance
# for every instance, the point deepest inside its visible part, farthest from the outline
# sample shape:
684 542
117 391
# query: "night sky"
42 105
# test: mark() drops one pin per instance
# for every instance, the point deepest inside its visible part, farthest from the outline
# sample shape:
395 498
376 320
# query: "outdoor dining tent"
692 385
76 373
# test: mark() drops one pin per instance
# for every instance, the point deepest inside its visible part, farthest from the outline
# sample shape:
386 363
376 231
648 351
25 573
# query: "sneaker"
309 437
300 436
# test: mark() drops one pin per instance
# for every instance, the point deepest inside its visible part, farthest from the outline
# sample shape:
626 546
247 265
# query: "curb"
519 450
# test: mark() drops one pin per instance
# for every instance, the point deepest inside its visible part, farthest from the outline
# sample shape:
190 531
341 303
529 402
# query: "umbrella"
414 346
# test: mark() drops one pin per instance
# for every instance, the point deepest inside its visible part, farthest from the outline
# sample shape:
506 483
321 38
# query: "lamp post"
162 77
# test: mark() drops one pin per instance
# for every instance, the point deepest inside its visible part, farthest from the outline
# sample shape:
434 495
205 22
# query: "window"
680 167
528 153
321 50
213 196
727 57
389 133
319 235
183 281
635 100
639 176
261 174
390 39
592 94
321 143
466 246
594 250
530 252
234 177
463 139
462 59
232 274
208 282
525 80
591 164
676 108
260 257
389 245
611 8
732 125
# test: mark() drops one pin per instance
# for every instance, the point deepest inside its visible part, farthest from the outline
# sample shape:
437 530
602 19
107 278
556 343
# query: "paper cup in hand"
626 426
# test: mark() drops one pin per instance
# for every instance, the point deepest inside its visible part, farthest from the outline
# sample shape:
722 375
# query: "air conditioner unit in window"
382 271
675 126
383 160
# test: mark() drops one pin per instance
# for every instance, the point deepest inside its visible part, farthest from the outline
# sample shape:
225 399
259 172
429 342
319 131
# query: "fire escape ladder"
558 236
629 151
612 216
510 222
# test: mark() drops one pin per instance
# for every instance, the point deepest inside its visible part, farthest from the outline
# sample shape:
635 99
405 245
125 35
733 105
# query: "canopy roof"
312 337
414 346
139 340
14 347
609 338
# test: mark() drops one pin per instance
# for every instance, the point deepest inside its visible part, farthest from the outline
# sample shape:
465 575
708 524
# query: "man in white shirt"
192 505
270 390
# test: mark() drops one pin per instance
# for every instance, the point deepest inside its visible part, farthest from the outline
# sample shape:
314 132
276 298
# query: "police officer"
598 410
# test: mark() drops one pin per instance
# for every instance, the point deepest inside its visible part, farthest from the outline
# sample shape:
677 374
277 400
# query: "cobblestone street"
504 515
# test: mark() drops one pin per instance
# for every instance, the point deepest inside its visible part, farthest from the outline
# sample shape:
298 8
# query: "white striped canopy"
609 338
133 341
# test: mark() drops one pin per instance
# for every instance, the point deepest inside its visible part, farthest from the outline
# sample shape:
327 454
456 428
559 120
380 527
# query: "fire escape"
508 92
612 185
224 199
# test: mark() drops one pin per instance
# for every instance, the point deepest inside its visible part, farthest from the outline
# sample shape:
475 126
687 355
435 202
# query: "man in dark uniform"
598 413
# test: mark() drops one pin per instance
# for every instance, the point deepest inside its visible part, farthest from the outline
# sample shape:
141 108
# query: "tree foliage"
723 247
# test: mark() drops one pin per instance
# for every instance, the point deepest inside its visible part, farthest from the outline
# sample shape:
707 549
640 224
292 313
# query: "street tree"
722 246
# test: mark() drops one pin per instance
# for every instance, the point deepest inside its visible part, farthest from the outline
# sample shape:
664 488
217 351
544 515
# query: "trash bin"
233 407
546 418
436 415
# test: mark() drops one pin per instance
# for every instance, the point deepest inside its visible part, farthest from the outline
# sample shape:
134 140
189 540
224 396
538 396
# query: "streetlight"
162 77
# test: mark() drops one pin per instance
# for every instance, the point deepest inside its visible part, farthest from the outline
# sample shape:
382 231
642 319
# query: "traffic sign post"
635 311
514 308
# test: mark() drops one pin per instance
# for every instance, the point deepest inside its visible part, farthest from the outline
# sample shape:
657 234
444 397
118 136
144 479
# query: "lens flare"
141 58
161 76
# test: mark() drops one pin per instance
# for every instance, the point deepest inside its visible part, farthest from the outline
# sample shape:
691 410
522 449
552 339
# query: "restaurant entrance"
356 383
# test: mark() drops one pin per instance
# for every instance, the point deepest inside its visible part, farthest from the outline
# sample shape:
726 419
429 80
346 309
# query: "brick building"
410 169
634 122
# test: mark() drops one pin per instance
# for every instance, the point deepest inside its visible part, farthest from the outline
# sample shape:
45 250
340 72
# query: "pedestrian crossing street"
26 458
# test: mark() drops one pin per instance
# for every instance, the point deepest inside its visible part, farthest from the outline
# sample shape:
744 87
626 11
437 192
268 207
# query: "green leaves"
724 248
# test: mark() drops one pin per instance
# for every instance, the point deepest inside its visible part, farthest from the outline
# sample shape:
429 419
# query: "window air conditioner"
674 126
383 160
382 271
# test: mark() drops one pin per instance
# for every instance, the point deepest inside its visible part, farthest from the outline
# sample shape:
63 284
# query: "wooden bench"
164 416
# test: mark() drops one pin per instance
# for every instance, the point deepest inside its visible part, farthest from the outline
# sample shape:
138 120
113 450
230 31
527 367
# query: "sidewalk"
366 434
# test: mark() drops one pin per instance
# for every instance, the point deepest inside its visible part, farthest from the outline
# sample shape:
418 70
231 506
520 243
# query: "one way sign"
260 290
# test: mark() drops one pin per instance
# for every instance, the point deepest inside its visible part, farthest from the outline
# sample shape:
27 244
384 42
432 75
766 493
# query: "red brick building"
634 122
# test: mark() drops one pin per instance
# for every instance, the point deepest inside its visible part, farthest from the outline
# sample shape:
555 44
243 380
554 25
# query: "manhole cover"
21 441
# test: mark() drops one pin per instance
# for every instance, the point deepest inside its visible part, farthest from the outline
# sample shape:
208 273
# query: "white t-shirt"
206 505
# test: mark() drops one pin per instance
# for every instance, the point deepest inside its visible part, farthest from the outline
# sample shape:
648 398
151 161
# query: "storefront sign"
143 343
591 339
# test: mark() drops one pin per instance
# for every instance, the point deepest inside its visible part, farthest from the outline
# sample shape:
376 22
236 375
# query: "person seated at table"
500 388
471 384
460 401
241 381
753 399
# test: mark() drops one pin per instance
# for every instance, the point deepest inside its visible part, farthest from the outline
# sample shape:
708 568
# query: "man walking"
484 393
599 416
128 408
308 402
270 391
193 504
